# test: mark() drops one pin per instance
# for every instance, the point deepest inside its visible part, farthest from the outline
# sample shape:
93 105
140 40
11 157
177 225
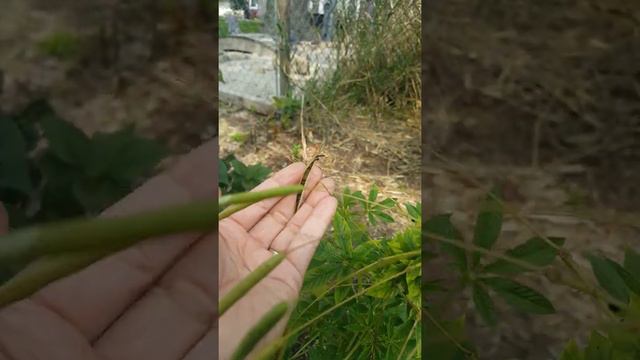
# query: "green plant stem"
448 335
264 325
106 233
248 282
237 202
381 262
406 341
279 342
255 196
43 271
226 212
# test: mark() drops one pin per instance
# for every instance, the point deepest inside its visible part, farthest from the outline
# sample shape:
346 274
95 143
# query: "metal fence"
309 37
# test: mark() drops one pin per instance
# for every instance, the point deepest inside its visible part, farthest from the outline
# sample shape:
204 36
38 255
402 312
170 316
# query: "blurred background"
541 98
96 96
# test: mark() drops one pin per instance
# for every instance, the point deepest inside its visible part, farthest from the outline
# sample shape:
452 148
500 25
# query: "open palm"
155 300
247 239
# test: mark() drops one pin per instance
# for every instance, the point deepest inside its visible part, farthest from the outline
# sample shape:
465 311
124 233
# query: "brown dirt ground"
358 153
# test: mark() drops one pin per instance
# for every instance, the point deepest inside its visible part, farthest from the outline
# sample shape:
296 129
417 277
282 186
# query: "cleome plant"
488 274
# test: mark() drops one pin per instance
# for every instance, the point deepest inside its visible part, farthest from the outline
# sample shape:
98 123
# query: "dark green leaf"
520 296
632 282
66 141
440 225
414 211
598 348
632 262
488 225
484 304
536 251
608 277
384 217
373 193
387 203
14 165
223 177
139 156
95 195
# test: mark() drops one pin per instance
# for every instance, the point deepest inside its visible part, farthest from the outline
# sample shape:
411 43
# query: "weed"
239 137
234 176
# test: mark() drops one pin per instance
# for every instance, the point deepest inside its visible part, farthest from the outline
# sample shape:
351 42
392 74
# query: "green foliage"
73 175
287 108
379 322
296 151
223 28
250 26
485 276
234 176
62 45
617 341
239 137
378 61
245 26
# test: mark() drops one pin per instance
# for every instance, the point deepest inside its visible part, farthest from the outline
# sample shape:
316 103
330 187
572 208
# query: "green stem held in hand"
264 325
106 233
255 196
248 282
240 201
43 271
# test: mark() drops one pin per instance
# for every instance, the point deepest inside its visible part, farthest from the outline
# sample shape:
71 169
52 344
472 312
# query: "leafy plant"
296 151
234 176
287 108
73 175
239 137
370 286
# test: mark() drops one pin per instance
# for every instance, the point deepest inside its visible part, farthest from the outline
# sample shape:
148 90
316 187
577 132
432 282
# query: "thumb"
4 220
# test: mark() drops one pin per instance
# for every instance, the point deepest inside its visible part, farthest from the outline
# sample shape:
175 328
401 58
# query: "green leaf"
373 193
142 155
14 165
632 282
632 262
536 251
484 304
598 348
387 203
520 296
415 212
440 225
384 217
608 277
571 352
413 278
223 177
95 195
488 225
66 141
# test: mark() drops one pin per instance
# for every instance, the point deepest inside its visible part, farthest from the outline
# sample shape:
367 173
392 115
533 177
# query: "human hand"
152 301
246 239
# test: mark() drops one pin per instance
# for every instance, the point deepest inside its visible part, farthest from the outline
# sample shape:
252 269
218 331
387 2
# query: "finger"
177 313
277 218
249 216
303 246
319 193
114 283
4 220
